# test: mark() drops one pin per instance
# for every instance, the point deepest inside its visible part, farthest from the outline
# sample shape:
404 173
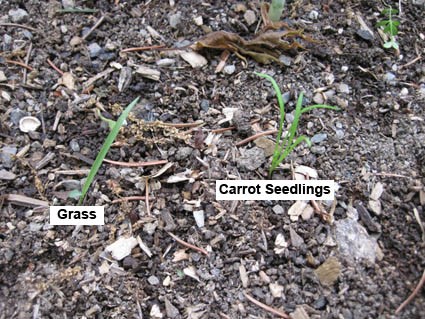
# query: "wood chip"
329 271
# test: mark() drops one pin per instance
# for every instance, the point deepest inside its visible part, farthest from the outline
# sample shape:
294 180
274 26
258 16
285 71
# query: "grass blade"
104 150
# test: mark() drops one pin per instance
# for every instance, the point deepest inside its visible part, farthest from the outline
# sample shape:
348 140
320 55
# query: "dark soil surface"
255 248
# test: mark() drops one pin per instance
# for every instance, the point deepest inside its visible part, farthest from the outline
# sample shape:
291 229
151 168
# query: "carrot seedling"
284 147
390 27
105 148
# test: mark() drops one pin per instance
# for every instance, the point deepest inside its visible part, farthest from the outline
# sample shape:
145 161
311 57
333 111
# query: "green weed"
104 149
275 10
390 27
284 147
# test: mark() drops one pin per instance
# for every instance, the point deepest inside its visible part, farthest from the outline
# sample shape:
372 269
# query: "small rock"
319 138
404 92
276 290
365 34
199 216
155 312
377 191
244 276
148 73
175 20
339 134
153 280
375 206
329 272
286 97
17 15
172 312
205 105
264 277
2 77
250 17
286 60
344 68
277 209
68 4
73 144
198 20
16 115
229 69
267 145
75 40
35 226
29 124
165 62
296 240
6 175
94 49
318 98
122 247
343 88
194 59
313 15
183 153
252 159
329 93
299 313
318 150
289 117
389 77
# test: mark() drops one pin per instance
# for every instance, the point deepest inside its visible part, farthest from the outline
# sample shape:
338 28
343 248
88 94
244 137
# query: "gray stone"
73 144
313 15
6 175
94 49
277 209
318 150
6 155
183 152
296 240
153 280
343 88
165 62
389 77
252 159
17 15
16 115
250 17
205 105
229 69
319 138
35 226
68 4
175 20
286 60
365 34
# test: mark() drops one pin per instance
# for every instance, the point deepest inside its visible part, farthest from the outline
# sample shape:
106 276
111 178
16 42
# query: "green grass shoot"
104 150
284 147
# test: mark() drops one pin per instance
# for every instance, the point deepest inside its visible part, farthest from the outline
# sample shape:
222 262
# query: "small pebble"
153 280
365 35
175 20
73 144
318 150
198 20
250 17
6 175
94 49
205 104
389 77
344 68
6 155
229 69
16 115
17 15
319 138
318 98
286 60
2 77
165 62
313 15
404 92
343 88
277 209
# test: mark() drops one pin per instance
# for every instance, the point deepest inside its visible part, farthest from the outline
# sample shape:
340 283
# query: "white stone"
122 247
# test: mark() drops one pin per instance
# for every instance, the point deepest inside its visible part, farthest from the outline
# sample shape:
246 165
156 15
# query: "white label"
275 190
77 215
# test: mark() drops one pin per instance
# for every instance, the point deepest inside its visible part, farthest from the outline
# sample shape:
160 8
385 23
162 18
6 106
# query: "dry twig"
274 311
136 164
413 294
182 242
254 137
55 67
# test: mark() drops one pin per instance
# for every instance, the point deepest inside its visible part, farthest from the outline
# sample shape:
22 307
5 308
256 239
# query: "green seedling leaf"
275 10
383 23
111 123
105 148
391 29
74 194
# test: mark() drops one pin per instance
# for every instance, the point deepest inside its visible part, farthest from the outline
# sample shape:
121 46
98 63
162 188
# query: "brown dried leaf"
264 48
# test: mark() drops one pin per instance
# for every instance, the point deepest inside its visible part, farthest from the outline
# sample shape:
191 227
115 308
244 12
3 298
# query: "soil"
377 138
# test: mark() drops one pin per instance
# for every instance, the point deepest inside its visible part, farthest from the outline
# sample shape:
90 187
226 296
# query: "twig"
148 209
55 67
22 200
98 23
253 137
137 164
221 130
27 58
182 125
413 294
198 249
129 198
390 175
147 48
18 26
410 62
77 10
20 64
267 308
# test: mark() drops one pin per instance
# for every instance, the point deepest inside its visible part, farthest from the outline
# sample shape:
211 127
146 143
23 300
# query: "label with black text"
275 190
77 215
